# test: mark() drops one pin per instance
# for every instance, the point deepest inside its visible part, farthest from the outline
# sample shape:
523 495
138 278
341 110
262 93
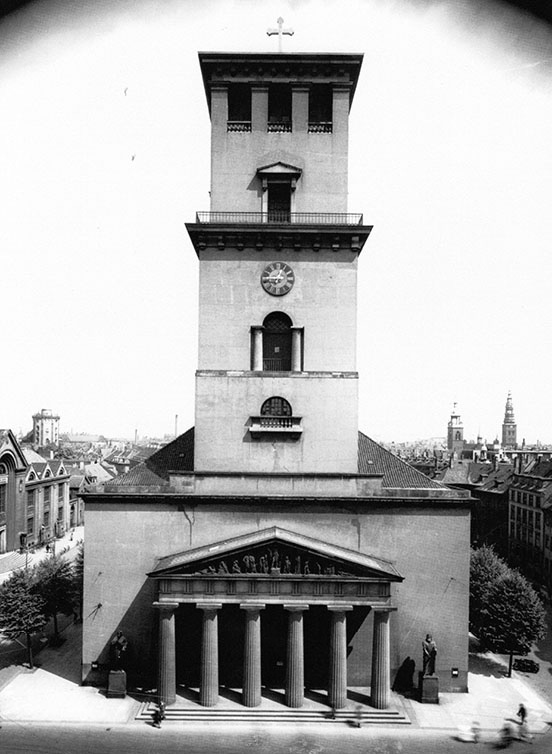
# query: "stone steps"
283 715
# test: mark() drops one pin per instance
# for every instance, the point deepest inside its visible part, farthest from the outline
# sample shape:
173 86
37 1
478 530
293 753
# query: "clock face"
277 278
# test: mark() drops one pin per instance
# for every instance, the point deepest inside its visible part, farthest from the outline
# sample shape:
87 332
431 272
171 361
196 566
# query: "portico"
280 569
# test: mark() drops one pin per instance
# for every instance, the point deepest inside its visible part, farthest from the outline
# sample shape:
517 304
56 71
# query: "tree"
505 611
53 581
21 609
78 578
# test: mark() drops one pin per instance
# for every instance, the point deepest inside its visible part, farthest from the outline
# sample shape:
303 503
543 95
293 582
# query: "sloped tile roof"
397 474
179 456
139 476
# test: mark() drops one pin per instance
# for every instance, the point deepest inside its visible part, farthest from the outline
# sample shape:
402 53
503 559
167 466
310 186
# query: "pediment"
274 552
11 454
279 168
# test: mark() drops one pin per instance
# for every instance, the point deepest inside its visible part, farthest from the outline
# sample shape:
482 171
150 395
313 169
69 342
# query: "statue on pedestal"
429 649
117 651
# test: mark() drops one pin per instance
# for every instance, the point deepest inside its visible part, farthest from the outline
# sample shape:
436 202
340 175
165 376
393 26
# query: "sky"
104 156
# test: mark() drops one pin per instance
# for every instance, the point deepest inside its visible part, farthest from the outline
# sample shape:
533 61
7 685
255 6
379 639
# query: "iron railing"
297 218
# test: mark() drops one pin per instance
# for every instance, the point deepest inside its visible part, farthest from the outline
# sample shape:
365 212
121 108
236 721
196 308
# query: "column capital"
337 608
166 605
252 606
209 605
296 608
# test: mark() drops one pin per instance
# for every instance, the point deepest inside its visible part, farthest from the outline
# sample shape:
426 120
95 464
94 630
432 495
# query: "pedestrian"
159 715
522 714
524 734
505 736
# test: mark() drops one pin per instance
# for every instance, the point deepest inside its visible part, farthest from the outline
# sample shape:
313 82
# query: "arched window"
277 342
276 406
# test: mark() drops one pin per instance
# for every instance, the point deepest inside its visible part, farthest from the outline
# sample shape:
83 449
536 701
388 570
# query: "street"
274 739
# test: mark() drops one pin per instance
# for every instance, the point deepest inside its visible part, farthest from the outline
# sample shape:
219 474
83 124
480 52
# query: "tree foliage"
506 613
22 610
54 582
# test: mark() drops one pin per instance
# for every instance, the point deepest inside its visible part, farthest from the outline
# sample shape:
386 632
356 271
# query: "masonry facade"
274 545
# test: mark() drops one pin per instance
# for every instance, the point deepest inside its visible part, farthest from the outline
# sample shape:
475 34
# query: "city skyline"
449 160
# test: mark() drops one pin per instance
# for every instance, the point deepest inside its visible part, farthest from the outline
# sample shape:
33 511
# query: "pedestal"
428 687
116 684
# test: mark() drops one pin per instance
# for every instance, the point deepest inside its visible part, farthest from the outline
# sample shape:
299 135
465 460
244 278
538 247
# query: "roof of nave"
397 474
178 456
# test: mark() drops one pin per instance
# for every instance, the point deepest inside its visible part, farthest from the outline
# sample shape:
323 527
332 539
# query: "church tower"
274 529
278 267
509 426
455 434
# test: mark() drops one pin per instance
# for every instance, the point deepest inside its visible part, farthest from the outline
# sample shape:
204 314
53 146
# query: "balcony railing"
278 127
290 425
238 126
320 127
297 218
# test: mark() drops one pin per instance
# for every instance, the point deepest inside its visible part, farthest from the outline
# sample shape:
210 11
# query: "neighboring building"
509 426
455 434
274 515
46 499
530 529
13 468
77 486
45 429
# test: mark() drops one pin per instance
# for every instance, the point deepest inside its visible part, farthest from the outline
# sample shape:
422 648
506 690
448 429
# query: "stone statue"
429 649
274 559
117 651
298 564
223 568
236 567
287 565
263 564
306 569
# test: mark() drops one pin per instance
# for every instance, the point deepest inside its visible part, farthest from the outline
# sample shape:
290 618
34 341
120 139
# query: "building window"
30 525
61 490
320 108
279 108
239 108
60 514
46 518
3 497
279 201
47 494
276 406
30 498
277 343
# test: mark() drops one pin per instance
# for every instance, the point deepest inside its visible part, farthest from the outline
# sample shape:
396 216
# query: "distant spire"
509 410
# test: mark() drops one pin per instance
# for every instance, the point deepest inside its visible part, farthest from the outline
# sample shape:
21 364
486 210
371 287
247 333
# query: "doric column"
209 681
252 655
296 338
257 348
166 678
337 677
295 663
381 671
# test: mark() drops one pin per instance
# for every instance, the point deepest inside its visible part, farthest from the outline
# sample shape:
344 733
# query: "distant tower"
455 434
509 426
45 429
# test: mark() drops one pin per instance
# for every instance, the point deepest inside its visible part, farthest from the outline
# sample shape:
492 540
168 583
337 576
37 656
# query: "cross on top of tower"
280 31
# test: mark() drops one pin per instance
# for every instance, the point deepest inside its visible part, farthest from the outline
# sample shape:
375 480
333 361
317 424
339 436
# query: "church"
274 545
